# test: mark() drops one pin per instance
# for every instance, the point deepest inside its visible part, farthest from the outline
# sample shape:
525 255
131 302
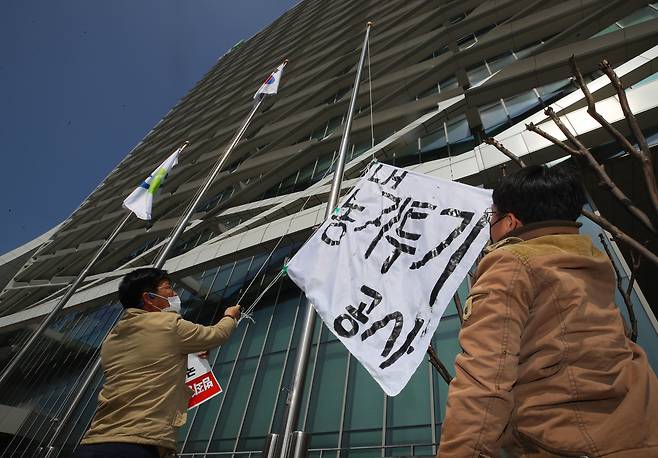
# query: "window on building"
548 92
324 162
434 145
642 15
500 61
466 41
646 13
477 73
527 50
459 135
456 19
407 155
647 80
436 53
521 104
493 116
447 84
333 124
433 89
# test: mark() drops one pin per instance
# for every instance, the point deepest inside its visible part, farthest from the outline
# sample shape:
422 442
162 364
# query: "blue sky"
82 81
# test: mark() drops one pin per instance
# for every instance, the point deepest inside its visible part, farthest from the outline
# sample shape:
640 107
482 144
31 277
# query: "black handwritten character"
395 178
395 333
340 221
347 325
406 346
408 209
458 255
357 314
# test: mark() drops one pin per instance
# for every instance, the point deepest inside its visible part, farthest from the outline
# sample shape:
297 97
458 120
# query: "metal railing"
326 452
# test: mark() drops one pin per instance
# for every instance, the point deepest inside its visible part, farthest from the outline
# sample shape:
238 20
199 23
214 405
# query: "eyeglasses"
489 213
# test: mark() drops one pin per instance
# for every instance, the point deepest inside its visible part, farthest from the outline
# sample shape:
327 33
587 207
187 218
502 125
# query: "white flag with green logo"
140 201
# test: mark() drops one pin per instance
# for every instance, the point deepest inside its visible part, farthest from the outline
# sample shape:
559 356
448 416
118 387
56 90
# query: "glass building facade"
444 74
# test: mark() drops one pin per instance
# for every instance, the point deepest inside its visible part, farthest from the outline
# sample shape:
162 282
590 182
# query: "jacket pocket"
532 445
179 419
468 306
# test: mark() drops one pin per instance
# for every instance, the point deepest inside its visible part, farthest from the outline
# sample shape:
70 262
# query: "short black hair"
140 281
539 193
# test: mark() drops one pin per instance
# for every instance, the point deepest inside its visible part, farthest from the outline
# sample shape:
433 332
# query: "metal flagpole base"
298 445
272 446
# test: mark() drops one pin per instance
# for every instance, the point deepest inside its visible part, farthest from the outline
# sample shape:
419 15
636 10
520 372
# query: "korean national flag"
271 83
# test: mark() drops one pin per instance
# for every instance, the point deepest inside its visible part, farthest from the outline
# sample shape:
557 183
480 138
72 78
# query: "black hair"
140 281
539 193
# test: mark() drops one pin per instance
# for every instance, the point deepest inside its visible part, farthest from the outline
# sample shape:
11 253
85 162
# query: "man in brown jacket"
144 398
546 369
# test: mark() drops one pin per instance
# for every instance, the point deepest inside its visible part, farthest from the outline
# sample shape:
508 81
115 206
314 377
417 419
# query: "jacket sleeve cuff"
235 320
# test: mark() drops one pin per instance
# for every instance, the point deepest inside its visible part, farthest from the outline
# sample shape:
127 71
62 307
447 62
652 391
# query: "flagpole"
13 364
182 222
158 263
11 367
304 348
63 420
160 260
180 228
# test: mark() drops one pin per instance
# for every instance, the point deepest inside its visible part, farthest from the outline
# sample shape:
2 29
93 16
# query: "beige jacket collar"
543 228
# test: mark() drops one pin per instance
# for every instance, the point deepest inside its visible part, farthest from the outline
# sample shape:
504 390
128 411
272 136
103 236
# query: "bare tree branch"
458 306
620 236
581 151
625 293
500 147
591 109
631 314
636 260
643 154
438 365
533 128
583 156
617 233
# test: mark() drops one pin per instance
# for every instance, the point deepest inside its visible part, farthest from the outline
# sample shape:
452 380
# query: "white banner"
382 270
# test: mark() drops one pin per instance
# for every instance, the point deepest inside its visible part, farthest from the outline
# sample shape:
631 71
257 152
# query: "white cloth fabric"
271 84
382 270
140 201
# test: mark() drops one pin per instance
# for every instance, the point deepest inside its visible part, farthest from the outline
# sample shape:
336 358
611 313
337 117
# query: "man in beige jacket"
144 398
546 369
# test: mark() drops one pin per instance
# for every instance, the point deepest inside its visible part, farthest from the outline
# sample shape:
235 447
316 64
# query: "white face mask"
174 303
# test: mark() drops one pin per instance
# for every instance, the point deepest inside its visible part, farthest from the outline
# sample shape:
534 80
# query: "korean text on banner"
201 380
381 271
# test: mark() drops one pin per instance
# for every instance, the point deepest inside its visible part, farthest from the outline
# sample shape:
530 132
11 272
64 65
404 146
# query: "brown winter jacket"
546 369
144 397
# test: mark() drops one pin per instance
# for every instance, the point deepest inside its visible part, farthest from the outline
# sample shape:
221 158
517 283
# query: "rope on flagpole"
244 293
452 176
372 124
248 313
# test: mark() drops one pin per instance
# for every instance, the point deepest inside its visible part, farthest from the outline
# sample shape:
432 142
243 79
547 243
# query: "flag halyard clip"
248 316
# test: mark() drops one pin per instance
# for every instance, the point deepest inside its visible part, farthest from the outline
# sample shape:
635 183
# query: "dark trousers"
116 450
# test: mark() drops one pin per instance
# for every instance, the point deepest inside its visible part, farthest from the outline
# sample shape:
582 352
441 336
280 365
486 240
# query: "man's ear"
516 222
147 300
